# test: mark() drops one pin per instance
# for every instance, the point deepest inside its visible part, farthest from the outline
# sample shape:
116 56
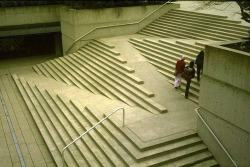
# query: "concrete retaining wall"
75 23
29 15
224 101
29 20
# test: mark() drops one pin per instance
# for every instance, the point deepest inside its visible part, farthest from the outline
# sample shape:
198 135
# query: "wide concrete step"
51 72
189 44
104 53
175 45
104 87
112 75
40 124
120 92
47 129
111 66
204 32
171 47
205 19
223 32
121 156
153 144
208 163
56 117
174 156
141 157
160 34
191 33
107 45
78 75
107 59
68 73
57 72
226 29
192 160
219 17
86 145
106 49
235 27
36 69
44 71
159 50
172 31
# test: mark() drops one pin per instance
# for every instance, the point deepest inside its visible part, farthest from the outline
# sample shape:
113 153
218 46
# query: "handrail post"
123 117
121 108
211 131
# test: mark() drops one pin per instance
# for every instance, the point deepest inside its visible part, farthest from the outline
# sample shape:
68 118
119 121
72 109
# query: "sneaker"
186 97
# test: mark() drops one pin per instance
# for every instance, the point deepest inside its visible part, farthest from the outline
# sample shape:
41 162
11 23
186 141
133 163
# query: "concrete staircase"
193 25
100 69
60 120
163 54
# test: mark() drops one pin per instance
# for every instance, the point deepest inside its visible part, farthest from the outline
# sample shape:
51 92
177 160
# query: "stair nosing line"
19 152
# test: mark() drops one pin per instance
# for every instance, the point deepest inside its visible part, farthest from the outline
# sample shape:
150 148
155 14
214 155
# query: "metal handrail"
115 26
93 128
196 110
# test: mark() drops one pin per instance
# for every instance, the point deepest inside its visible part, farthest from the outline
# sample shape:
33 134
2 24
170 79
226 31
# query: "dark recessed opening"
30 45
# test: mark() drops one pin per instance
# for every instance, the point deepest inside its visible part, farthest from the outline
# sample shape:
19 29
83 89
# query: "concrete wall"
75 23
224 101
29 15
18 20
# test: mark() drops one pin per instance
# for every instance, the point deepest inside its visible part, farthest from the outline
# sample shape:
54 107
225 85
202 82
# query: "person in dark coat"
199 62
189 77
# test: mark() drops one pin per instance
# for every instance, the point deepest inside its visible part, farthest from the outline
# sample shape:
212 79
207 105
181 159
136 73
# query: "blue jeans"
187 87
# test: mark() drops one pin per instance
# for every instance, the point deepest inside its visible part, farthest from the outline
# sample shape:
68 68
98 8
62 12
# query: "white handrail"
210 130
115 26
93 128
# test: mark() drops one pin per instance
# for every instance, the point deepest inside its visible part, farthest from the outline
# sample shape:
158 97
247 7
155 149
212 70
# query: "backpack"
187 74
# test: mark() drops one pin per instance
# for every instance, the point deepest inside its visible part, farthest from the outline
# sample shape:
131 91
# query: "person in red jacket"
180 65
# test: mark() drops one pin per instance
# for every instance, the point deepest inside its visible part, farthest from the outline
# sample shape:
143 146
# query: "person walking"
179 69
188 74
199 62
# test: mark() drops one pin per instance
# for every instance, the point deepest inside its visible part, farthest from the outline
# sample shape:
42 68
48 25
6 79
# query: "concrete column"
58 44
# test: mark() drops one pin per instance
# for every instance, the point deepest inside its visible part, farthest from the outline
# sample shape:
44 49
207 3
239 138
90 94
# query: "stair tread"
165 52
53 72
66 72
192 160
186 32
41 126
100 68
117 64
104 43
173 156
165 45
78 74
106 54
113 67
54 118
198 26
207 163
101 45
35 68
96 136
51 131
